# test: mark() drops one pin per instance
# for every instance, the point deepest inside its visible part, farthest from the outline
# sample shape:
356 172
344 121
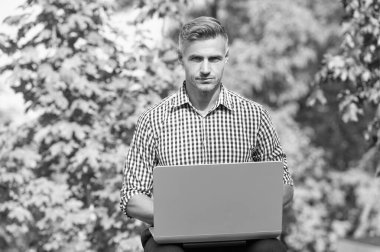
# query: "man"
202 123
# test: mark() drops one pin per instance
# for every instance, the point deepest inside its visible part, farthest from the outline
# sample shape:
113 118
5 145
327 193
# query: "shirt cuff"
125 197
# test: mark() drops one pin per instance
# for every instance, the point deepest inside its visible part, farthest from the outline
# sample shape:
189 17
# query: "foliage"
280 42
88 81
355 68
276 50
162 9
333 206
357 65
328 204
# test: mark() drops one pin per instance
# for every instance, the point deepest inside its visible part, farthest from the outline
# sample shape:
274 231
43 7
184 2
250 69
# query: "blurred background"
76 75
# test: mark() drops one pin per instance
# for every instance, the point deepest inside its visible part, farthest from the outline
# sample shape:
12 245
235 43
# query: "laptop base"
214 244
207 244
213 240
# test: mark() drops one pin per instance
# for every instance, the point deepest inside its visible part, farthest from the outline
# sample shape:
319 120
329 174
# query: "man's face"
203 62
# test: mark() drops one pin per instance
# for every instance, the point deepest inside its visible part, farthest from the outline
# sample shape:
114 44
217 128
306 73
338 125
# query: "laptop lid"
217 202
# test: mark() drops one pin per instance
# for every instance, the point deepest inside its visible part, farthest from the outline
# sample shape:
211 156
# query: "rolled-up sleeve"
268 147
138 170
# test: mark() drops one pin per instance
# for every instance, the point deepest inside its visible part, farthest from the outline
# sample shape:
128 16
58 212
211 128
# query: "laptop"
217 203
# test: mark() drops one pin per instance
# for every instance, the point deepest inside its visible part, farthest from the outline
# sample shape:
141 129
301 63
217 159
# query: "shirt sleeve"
138 170
268 147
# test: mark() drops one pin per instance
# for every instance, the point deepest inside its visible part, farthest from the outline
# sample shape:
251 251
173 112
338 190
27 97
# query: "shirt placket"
204 139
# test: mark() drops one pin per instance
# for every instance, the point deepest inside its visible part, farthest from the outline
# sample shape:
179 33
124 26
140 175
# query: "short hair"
201 28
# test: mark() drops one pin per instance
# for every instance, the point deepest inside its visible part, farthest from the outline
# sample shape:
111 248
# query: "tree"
343 203
60 174
355 69
280 42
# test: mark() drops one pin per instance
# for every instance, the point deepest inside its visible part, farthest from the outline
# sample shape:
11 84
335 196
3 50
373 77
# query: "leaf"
80 21
351 112
31 35
20 214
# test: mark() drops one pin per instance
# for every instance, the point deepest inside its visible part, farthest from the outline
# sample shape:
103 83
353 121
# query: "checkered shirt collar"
182 98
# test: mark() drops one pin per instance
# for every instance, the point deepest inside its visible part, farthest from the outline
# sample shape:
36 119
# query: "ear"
180 57
227 54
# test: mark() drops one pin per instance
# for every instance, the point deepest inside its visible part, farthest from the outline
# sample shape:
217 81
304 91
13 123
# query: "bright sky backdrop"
7 6
10 103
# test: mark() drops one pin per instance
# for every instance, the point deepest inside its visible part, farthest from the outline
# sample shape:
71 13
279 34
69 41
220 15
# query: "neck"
203 101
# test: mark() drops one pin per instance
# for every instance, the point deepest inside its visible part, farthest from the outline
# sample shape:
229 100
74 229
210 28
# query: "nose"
205 67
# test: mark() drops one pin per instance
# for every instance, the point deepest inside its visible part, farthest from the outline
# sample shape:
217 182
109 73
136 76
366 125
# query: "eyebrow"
219 56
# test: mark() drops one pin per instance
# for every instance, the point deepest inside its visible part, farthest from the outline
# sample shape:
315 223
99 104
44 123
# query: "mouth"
205 79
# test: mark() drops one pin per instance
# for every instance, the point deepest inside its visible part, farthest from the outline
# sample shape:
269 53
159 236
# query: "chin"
207 89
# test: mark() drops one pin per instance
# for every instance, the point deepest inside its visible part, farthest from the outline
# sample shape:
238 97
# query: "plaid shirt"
174 133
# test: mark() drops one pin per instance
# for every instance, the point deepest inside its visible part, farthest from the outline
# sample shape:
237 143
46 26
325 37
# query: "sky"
7 6
10 103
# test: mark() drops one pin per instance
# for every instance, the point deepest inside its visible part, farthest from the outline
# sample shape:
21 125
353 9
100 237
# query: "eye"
196 59
215 59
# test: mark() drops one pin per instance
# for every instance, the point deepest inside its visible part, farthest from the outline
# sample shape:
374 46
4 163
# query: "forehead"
205 47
